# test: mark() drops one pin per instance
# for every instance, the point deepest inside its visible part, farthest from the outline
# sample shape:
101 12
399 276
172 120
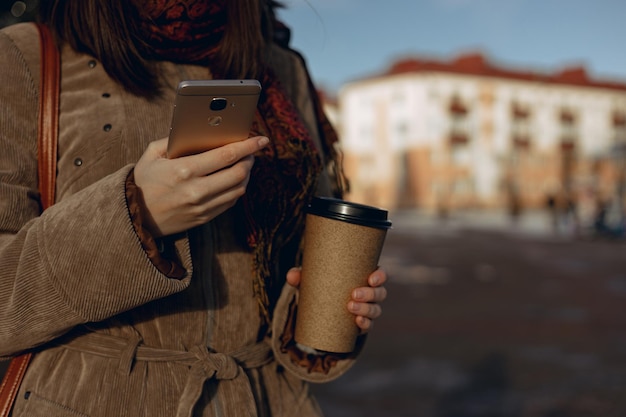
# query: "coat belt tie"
223 367
203 365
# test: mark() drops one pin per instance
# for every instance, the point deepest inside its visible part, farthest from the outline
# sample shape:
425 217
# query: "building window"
457 107
520 126
618 121
459 121
569 129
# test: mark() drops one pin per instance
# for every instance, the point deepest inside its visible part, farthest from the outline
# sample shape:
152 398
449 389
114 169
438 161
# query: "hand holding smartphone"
211 113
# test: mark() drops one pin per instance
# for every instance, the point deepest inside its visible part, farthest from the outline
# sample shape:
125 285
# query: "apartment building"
469 133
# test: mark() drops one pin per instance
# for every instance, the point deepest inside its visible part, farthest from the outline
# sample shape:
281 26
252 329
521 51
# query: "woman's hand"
365 302
185 192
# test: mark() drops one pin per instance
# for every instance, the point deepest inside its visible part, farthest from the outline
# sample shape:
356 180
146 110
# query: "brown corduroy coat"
119 337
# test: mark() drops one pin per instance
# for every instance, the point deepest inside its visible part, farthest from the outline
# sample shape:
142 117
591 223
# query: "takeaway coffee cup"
342 246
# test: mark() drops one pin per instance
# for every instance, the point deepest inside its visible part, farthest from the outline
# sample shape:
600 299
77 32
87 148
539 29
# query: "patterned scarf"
186 31
285 173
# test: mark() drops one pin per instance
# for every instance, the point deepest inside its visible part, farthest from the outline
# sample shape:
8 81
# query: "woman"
154 286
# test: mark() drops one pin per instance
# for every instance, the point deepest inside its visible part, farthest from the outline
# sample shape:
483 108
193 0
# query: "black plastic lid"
346 211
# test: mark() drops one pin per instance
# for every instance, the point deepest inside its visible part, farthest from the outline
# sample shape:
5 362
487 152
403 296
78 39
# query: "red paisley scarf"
285 173
187 31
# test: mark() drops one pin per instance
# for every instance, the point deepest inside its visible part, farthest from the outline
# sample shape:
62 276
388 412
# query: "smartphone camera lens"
218 104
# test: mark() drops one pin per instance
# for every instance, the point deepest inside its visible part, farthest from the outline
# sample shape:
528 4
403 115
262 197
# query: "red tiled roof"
476 64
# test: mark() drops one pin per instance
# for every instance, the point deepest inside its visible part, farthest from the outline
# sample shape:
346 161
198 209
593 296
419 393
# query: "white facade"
387 117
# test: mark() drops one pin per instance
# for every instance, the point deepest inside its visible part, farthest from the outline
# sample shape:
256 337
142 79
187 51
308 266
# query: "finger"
371 311
158 148
226 185
227 178
204 207
369 294
208 162
293 276
364 323
377 278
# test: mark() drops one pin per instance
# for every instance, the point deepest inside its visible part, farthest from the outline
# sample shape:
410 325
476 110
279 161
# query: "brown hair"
110 31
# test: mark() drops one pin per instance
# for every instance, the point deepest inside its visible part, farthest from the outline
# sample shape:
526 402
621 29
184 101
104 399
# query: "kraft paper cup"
342 246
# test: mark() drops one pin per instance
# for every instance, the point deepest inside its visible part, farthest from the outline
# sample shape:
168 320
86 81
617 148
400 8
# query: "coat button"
107 127
78 162
92 63
106 95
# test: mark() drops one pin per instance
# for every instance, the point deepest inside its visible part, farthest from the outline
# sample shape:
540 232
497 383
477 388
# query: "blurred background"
494 131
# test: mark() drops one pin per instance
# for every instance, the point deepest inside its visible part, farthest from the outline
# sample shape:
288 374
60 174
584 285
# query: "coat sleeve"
308 366
79 261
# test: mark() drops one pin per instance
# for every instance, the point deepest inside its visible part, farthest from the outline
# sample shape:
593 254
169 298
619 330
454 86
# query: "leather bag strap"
12 381
48 116
47 138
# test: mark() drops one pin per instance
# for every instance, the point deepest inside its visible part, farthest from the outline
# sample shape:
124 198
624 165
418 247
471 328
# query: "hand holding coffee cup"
342 246
366 302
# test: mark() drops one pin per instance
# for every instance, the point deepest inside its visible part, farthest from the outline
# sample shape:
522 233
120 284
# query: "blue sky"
344 40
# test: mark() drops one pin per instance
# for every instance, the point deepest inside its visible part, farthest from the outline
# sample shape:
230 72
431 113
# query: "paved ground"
486 318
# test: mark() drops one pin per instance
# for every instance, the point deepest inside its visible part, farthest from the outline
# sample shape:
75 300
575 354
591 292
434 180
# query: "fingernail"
358 294
352 306
263 141
375 279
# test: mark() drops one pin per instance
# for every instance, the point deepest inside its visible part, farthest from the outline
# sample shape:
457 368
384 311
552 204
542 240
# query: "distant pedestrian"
552 211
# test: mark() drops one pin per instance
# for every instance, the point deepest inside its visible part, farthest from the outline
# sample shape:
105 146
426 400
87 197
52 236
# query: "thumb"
293 277
157 149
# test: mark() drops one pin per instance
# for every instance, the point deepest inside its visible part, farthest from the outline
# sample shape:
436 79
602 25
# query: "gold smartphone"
211 113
